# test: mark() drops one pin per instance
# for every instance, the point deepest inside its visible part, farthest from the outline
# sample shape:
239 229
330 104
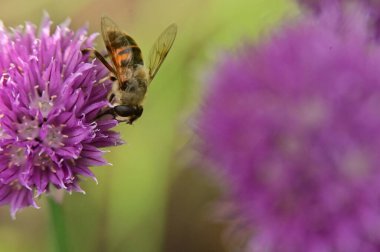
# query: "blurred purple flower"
49 98
369 7
317 5
293 127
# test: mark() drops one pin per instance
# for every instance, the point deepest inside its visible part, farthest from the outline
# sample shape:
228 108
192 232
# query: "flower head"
293 125
369 7
50 96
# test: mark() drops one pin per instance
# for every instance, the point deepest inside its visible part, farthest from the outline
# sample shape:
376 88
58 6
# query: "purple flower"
293 127
370 7
50 96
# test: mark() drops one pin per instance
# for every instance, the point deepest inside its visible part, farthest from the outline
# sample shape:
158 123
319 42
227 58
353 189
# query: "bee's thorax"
131 86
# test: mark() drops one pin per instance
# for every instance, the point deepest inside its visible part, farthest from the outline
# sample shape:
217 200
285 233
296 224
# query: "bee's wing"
114 40
108 27
161 48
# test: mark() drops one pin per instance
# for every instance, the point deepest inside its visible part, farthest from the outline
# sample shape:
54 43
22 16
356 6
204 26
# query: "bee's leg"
110 77
91 50
100 57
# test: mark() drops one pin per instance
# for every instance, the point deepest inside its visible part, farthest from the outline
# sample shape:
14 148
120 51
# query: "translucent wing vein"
161 49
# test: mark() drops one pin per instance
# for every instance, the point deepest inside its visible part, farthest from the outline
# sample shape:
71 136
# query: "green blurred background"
154 197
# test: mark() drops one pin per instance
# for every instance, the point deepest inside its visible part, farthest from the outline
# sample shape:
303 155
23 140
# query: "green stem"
58 226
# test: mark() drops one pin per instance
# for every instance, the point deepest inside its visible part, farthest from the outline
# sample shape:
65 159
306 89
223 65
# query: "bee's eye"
123 110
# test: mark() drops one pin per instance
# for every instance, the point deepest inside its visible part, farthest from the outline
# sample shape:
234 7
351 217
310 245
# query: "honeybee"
131 77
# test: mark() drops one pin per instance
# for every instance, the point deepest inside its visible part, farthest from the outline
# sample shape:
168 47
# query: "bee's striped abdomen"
126 51
136 51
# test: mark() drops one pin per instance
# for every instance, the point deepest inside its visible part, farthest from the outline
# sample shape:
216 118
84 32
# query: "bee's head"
130 113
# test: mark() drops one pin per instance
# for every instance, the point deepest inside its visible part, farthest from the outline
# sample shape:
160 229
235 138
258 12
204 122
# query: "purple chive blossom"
293 127
369 7
317 5
50 96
